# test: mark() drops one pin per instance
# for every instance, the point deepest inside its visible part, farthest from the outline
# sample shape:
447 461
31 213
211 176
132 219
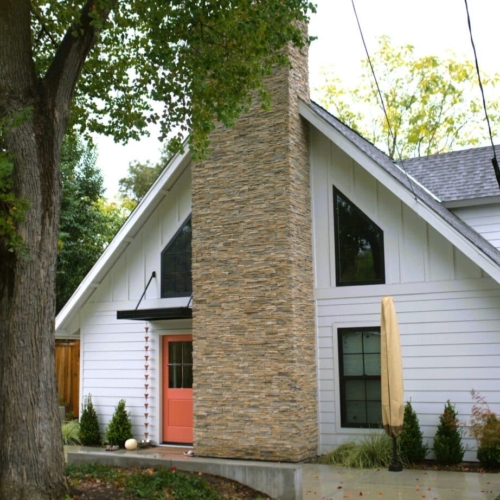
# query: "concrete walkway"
310 481
322 482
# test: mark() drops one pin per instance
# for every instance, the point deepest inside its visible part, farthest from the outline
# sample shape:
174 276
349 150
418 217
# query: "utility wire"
382 100
494 160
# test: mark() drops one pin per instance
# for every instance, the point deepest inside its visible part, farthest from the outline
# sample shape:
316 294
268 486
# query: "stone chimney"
255 391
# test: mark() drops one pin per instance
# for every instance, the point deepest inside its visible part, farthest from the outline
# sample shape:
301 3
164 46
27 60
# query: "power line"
494 160
391 132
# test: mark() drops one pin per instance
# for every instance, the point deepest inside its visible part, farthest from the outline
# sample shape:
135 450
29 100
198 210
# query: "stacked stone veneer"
253 311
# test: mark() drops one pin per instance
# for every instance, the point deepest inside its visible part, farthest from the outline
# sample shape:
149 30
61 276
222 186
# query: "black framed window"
180 365
359 375
359 245
176 280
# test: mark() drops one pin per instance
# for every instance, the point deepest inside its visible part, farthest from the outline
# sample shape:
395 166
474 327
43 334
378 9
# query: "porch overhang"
156 314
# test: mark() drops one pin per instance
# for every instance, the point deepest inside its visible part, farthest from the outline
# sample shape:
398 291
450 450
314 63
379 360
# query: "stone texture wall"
253 311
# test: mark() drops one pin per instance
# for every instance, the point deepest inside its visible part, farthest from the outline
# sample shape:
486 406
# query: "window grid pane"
180 365
360 392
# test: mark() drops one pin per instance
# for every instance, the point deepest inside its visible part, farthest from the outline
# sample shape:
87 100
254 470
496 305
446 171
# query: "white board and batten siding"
112 350
448 309
485 219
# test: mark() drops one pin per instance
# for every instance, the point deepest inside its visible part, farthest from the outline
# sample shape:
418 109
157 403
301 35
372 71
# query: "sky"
433 27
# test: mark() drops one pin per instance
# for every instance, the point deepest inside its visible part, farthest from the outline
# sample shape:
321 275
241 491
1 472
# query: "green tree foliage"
120 426
141 176
139 179
433 104
89 434
198 59
12 209
412 447
86 227
113 67
448 446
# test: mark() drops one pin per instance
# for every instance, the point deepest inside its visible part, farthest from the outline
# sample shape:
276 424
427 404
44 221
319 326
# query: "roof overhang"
472 245
474 202
161 188
156 314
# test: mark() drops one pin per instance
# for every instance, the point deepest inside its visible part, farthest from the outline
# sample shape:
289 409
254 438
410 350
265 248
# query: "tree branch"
17 71
36 13
65 69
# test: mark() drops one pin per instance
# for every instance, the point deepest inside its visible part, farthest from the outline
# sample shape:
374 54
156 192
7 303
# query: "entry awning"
156 314
184 312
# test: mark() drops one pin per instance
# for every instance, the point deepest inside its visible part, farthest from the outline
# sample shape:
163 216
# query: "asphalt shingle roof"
422 194
459 175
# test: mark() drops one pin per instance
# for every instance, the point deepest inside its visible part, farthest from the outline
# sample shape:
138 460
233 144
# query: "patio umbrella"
391 377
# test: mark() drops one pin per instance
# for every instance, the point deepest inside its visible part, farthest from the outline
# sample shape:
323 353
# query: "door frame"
164 377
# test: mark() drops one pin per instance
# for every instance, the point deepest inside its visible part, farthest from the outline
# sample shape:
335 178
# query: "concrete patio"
308 481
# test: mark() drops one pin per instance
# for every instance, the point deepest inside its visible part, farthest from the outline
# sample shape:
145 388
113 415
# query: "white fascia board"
125 236
472 202
414 181
403 193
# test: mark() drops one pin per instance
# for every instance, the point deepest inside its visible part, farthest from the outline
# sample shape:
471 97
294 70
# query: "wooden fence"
68 374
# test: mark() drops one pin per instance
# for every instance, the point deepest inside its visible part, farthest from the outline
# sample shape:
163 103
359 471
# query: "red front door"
178 389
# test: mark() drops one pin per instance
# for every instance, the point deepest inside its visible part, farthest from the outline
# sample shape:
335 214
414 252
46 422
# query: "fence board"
68 374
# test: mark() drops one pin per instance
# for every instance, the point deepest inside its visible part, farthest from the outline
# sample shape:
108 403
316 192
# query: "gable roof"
161 187
459 175
378 164
406 188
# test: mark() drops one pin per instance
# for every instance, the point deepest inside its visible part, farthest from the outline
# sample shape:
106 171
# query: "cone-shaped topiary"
90 434
120 426
448 446
411 444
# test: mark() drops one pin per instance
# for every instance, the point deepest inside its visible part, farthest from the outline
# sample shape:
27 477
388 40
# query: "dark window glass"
359 245
176 278
180 365
359 366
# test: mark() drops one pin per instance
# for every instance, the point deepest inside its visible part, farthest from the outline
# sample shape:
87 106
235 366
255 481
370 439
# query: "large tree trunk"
31 450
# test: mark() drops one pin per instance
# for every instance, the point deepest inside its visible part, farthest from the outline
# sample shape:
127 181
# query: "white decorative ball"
130 444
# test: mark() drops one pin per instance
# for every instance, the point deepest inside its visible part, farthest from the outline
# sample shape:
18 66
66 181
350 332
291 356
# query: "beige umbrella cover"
391 371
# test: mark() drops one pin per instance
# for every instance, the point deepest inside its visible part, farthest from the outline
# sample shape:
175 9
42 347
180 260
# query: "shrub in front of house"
448 446
71 432
485 429
369 452
411 440
120 426
89 434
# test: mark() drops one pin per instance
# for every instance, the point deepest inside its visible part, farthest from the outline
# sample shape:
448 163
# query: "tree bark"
31 450
31 455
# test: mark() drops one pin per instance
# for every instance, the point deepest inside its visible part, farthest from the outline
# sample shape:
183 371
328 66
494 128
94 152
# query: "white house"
375 230
442 274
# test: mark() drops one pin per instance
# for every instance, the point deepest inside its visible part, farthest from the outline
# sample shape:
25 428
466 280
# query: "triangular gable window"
176 278
359 245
